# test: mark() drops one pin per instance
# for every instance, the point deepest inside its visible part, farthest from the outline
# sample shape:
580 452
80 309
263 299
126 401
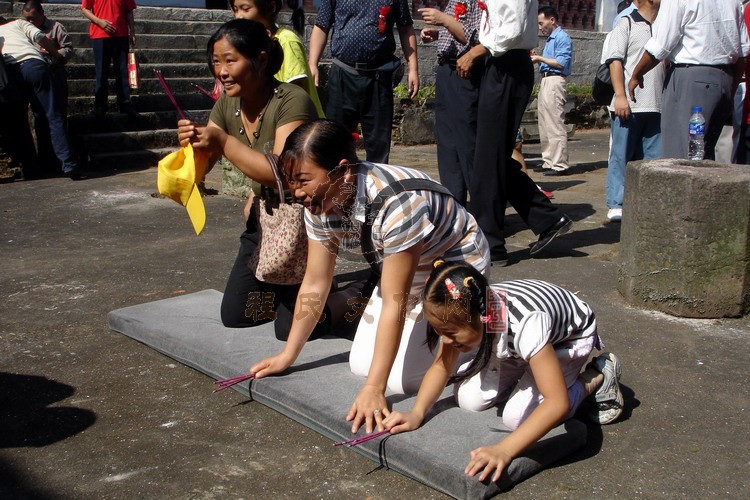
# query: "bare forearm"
250 162
409 46
306 317
646 64
88 14
387 340
432 387
318 39
456 29
546 416
618 77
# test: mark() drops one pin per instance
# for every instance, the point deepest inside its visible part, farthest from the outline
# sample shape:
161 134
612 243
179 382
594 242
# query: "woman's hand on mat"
270 366
488 460
402 422
369 408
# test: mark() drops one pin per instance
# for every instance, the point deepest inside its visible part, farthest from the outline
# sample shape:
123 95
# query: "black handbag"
602 90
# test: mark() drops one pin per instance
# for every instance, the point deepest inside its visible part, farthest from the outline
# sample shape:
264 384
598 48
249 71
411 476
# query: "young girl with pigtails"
532 340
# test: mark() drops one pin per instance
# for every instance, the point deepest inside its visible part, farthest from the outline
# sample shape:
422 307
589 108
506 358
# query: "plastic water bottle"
697 132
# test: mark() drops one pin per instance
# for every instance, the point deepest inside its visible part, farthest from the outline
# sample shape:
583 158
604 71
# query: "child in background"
294 68
533 339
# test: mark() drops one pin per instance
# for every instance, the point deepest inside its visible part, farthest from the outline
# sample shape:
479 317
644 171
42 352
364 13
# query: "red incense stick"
163 82
229 382
362 439
203 91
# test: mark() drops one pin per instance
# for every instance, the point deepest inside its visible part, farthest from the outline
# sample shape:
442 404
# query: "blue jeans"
37 77
116 50
638 138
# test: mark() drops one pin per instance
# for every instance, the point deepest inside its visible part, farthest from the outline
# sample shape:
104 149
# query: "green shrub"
402 92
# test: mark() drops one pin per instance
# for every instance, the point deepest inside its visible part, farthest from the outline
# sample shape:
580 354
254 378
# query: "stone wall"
587 48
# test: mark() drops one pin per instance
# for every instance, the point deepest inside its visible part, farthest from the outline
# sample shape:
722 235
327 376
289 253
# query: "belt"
447 60
545 74
360 66
724 67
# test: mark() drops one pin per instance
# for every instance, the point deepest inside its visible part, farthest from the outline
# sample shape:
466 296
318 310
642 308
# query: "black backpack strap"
372 209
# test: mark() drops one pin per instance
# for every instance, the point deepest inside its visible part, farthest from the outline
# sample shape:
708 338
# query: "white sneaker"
607 402
614 214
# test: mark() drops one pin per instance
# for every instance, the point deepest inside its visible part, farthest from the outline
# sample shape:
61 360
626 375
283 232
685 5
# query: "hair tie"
437 263
452 289
355 136
467 281
486 319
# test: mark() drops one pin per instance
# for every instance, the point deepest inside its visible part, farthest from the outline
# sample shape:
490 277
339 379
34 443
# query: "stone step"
182 70
118 122
177 15
129 160
150 56
80 26
159 41
136 140
148 86
154 102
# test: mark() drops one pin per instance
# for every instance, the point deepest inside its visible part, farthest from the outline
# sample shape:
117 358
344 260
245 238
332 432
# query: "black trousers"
497 178
365 98
456 106
249 302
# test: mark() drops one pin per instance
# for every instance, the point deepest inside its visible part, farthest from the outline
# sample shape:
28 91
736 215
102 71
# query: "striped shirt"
434 219
540 313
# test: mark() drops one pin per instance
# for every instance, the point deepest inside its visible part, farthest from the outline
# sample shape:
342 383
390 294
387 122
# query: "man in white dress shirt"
706 43
507 31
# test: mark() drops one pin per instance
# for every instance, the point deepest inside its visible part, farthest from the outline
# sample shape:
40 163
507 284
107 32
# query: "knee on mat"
470 400
235 317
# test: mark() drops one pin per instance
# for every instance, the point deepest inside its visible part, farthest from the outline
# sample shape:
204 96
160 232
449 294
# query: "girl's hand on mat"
272 365
369 408
488 460
402 422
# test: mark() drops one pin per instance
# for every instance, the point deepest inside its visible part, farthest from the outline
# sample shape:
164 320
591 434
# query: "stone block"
685 238
418 125
233 181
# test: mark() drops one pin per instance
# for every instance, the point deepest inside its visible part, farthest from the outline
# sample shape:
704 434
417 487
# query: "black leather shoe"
560 227
76 175
499 258
557 173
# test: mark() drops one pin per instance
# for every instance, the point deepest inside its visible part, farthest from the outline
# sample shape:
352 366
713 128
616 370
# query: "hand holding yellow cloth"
178 177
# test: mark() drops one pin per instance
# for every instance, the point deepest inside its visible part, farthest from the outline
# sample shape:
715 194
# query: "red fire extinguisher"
133 76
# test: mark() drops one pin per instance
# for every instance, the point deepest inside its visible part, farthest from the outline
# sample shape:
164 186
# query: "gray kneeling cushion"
318 390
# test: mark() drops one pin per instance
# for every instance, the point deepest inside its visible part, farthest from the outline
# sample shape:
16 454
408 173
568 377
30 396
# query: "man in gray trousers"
705 43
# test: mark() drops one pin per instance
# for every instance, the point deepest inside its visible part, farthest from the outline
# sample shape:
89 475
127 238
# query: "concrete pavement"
88 413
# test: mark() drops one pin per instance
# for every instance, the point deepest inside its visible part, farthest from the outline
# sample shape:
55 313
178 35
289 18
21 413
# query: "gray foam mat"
318 390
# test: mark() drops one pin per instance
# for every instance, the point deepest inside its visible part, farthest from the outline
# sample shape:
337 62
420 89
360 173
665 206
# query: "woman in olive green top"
253 117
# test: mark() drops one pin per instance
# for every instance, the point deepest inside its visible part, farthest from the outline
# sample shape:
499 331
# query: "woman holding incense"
294 68
531 339
252 117
410 230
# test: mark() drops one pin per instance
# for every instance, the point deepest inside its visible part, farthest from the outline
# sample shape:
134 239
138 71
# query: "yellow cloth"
178 177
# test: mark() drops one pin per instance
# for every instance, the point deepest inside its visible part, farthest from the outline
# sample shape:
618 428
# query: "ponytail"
459 286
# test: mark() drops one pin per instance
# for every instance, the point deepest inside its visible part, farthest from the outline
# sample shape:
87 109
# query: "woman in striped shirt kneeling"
410 230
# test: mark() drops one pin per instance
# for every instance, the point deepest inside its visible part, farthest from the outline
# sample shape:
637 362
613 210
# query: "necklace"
258 118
